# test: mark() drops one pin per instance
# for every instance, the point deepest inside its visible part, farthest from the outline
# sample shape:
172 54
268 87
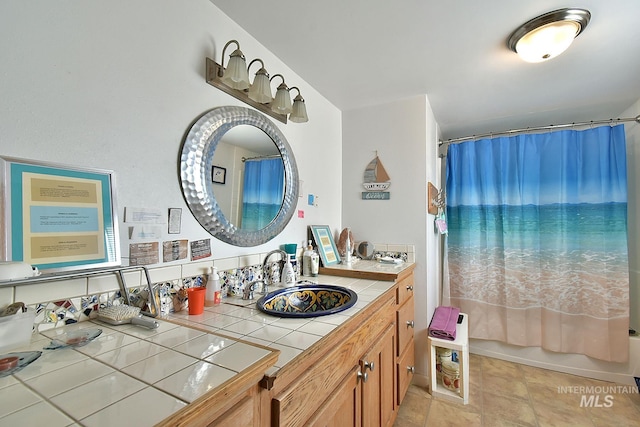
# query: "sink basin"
307 301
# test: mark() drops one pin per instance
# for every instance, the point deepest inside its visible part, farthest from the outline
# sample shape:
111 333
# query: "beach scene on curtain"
537 243
262 193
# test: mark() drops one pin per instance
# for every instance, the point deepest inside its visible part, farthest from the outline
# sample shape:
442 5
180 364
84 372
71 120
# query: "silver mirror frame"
196 162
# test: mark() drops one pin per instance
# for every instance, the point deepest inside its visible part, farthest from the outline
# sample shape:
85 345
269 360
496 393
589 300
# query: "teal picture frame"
58 217
326 245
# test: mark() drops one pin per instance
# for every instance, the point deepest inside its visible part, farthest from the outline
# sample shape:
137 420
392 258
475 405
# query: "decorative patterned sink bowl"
307 301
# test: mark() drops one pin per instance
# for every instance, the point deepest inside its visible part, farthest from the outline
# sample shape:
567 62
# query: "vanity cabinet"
365 396
405 327
344 406
367 342
355 376
235 404
378 397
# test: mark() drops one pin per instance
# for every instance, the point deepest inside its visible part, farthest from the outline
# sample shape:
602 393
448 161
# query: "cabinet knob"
411 369
409 287
410 324
364 377
369 365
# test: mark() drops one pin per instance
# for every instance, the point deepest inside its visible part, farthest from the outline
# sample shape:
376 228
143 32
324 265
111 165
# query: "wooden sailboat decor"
376 181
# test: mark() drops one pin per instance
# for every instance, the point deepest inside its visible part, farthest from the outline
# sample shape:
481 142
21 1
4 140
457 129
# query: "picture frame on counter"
58 217
326 245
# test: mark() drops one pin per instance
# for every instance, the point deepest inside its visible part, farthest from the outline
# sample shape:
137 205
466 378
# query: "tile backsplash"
61 302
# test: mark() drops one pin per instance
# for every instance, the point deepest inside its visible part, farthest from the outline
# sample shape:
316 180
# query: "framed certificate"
58 217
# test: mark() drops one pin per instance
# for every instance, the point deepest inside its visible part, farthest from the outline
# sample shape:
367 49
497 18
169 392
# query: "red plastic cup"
196 299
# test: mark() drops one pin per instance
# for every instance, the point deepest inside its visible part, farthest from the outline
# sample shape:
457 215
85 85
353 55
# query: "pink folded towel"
443 323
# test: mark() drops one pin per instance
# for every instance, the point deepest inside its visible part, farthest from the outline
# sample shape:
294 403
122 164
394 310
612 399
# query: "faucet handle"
247 292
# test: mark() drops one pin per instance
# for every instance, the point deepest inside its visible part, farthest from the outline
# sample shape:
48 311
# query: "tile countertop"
150 374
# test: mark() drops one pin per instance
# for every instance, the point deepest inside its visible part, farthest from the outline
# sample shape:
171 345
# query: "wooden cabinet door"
405 325
405 289
406 367
242 415
343 408
378 391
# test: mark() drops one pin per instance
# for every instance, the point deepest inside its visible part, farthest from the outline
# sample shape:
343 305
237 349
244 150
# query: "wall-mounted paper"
200 249
145 232
143 253
174 250
144 215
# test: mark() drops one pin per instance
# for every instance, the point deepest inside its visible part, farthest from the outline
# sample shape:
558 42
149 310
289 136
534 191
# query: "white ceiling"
366 52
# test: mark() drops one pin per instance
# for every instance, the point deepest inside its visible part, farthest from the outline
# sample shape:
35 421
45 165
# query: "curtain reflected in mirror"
262 192
253 193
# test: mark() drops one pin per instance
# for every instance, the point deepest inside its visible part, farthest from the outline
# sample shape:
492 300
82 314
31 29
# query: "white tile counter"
150 374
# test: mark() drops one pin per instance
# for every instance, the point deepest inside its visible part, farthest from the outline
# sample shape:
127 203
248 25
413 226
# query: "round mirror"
239 176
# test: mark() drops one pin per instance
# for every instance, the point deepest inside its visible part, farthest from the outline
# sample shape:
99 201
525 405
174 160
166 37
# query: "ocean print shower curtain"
262 193
537 240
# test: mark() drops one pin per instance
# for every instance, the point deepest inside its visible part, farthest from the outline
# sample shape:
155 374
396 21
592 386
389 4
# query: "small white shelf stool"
461 345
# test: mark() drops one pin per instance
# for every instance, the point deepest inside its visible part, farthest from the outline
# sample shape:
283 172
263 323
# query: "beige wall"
404 134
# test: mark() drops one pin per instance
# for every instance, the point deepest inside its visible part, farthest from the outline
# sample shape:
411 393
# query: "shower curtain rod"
273 156
539 128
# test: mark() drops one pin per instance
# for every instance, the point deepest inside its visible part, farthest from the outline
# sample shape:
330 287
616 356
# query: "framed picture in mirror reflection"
218 174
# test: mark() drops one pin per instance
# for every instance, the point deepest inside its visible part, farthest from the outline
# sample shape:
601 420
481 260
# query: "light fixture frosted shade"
282 102
299 111
236 75
260 90
547 41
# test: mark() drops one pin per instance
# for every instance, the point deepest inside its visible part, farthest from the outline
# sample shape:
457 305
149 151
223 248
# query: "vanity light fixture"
548 35
299 109
282 102
234 80
260 90
236 75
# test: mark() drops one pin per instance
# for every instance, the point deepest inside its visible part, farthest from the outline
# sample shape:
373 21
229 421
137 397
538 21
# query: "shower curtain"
262 194
537 240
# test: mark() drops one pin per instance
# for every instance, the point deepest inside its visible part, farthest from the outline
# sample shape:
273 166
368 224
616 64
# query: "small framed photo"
326 245
218 174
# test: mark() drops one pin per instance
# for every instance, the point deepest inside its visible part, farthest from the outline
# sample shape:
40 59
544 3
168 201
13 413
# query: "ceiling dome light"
548 35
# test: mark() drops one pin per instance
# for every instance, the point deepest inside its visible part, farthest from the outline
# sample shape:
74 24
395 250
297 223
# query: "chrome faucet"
268 278
247 292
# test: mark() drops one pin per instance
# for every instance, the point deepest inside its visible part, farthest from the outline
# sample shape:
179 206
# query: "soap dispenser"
348 249
306 260
213 290
288 275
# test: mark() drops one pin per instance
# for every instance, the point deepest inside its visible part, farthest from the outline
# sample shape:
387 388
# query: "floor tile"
508 394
